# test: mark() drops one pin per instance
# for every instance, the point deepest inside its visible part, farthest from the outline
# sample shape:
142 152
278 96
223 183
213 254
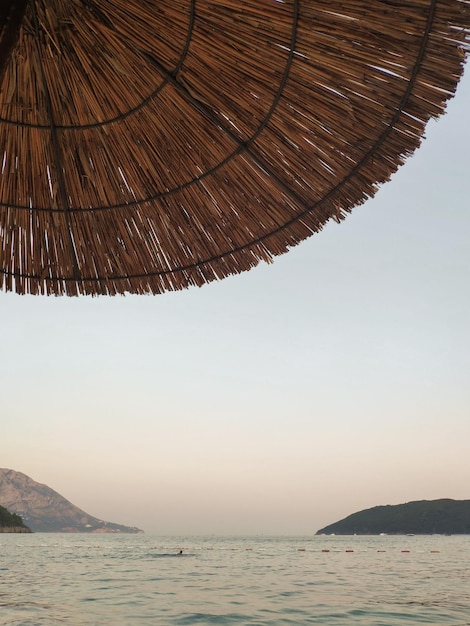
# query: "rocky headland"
42 509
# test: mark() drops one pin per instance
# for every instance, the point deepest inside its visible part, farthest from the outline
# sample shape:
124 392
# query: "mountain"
44 510
11 523
424 517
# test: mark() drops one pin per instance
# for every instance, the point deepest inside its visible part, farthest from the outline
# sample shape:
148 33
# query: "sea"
133 580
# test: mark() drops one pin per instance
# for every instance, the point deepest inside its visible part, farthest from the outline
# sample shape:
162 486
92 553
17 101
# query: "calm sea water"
50 579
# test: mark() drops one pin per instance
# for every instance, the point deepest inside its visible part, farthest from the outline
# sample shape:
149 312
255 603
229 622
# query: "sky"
273 402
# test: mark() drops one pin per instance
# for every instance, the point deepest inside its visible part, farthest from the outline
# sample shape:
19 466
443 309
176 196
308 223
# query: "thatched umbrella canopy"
154 144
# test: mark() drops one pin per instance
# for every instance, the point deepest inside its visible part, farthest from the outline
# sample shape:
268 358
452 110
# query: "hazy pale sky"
277 401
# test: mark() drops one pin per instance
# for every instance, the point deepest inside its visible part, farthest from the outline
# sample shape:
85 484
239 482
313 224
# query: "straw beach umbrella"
155 144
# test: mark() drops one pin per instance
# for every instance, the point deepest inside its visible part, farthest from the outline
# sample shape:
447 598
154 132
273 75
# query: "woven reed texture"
156 144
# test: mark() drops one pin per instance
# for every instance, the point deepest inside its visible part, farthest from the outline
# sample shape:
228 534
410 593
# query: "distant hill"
11 523
44 510
424 517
